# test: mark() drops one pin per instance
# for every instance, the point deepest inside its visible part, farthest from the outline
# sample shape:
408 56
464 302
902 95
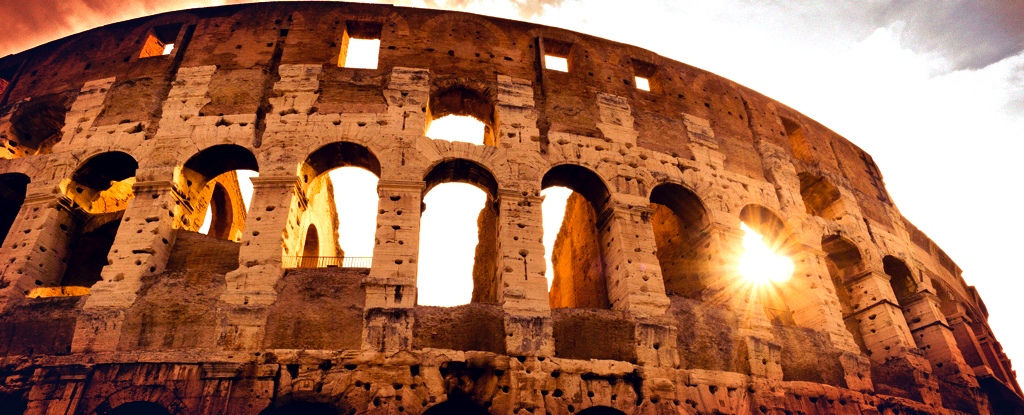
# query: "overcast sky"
933 90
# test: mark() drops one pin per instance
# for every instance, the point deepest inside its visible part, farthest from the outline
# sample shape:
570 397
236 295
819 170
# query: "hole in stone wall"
643 74
160 41
458 236
578 265
642 83
679 221
555 54
37 125
360 45
457 128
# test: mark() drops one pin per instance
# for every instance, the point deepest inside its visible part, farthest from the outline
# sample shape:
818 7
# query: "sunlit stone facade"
114 143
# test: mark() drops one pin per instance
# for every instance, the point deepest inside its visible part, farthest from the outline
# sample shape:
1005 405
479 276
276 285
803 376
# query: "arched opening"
456 405
577 258
311 248
601 410
458 113
301 408
100 190
766 266
338 198
36 126
900 278
12 195
844 262
452 244
679 219
139 408
821 197
214 189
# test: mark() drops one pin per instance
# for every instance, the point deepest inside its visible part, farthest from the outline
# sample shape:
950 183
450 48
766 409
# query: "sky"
933 90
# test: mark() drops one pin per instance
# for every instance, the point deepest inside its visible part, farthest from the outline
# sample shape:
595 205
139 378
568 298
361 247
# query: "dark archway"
678 220
844 262
88 252
335 155
221 213
821 197
900 278
12 195
459 100
578 257
137 408
311 248
103 183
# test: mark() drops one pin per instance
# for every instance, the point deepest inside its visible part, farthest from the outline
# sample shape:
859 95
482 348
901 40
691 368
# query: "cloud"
527 8
970 34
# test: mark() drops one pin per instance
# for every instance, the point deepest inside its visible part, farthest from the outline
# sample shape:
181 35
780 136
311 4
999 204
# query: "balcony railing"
330 262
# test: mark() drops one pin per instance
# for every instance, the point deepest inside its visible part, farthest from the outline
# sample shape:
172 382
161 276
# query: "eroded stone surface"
109 161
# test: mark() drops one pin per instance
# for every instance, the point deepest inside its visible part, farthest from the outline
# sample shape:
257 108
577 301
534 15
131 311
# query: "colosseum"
118 140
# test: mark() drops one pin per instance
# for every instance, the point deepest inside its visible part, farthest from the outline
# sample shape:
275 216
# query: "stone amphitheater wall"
102 144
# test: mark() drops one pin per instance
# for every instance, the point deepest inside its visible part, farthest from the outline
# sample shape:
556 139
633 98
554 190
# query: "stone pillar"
970 348
523 288
250 288
391 285
631 264
36 245
57 390
932 333
141 248
886 334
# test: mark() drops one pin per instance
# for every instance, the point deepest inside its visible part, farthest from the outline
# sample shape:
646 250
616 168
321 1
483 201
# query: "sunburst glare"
760 264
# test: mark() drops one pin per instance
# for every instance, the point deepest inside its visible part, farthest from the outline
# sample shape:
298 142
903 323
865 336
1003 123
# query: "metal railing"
330 262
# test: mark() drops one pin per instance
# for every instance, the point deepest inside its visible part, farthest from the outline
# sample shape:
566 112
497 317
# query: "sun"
759 264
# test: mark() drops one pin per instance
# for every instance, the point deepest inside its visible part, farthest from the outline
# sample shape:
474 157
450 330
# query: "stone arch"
13 187
103 182
154 396
900 278
821 197
777 300
310 248
209 178
457 170
580 279
844 262
679 220
461 97
314 203
36 126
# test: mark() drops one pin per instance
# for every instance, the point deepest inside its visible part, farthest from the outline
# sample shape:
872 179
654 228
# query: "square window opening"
360 45
556 63
160 41
642 83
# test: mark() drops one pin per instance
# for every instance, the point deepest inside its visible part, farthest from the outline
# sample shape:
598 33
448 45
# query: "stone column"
36 245
141 248
57 390
391 285
932 333
886 334
250 288
631 264
523 288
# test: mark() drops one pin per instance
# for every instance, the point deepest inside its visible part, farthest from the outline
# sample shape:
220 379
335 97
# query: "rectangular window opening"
556 63
554 54
360 45
642 83
160 41
643 72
